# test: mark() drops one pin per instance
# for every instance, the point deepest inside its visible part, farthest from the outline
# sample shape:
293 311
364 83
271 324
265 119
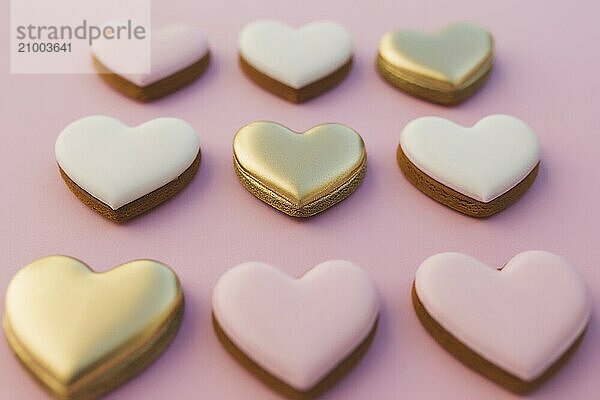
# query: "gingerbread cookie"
516 325
120 171
300 174
477 171
446 67
178 55
295 64
307 338
80 333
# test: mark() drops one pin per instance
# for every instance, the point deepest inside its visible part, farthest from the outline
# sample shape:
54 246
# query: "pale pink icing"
296 329
173 48
522 319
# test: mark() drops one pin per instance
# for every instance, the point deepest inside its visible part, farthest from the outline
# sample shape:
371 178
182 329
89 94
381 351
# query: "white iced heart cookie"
293 333
516 325
179 54
295 64
121 171
82 333
478 170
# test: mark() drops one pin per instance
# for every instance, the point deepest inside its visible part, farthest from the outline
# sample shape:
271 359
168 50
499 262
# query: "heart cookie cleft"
446 67
300 174
121 171
81 333
478 170
311 330
178 55
516 326
295 64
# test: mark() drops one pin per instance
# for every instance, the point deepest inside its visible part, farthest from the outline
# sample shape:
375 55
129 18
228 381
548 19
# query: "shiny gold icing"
71 326
448 60
294 171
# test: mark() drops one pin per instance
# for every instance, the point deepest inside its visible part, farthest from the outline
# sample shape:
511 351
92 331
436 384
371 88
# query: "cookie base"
289 93
307 210
139 206
106 377
479 364
338 372
458 201
448 96
157 89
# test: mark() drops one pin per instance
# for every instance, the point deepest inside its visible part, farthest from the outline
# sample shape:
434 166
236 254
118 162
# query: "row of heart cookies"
298 64
312 329
122 172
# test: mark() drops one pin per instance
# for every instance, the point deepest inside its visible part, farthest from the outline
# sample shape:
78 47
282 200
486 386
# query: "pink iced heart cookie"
516 325
297 335
179 55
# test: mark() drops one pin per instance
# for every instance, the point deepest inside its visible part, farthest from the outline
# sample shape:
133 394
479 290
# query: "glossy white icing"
482 162
295 57
118 164
173 48
296 329
521 319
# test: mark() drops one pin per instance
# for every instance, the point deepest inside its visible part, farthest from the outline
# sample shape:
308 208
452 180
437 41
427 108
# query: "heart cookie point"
179 55
446 67
537 326
300 174
307 339
122 172
478 171
82 333
295 64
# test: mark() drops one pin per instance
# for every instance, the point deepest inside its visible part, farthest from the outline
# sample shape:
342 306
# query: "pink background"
546 73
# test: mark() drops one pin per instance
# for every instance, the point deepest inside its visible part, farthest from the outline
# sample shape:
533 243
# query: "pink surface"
545 74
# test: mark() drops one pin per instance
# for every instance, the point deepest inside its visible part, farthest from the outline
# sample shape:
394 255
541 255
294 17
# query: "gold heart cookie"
446 67
300 174
82 333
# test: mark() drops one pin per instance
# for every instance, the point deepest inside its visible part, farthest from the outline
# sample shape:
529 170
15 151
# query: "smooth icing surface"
522 318
69 318
295 57
296 329
172 47
482 162
118 164
299 167
450 55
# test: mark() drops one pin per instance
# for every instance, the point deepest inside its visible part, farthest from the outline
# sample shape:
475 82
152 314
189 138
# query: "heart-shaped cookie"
478 171
296 64
299 174
178 55
446 67
120 171
516 325
297 335
82 333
